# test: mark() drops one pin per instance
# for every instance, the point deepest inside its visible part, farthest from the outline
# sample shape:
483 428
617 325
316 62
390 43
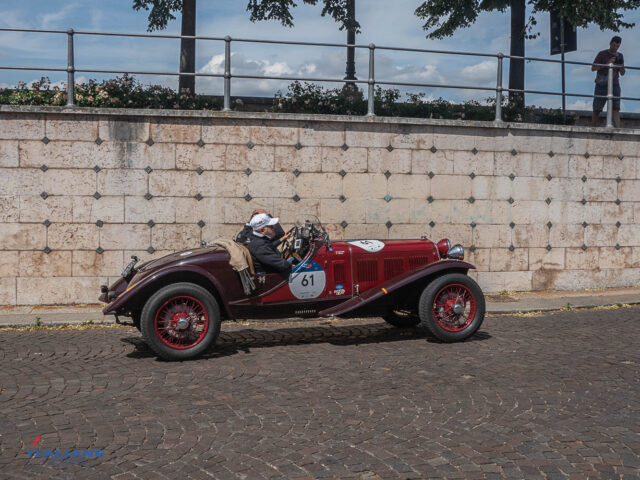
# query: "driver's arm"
278 239
272 261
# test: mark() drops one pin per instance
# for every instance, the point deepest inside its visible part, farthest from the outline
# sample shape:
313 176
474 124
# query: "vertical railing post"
372 82
610 96
70 69
227 74
499 89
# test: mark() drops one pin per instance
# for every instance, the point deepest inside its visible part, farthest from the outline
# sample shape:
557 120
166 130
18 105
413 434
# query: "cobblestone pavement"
553 396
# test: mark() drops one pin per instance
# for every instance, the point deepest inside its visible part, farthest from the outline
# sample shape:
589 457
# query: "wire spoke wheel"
452 307
180 321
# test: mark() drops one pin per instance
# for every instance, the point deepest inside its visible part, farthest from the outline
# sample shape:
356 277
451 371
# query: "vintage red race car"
179 301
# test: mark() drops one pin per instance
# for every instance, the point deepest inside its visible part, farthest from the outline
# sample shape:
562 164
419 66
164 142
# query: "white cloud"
482 74
49 20
330 66
307 69
215 65
278 68
580 105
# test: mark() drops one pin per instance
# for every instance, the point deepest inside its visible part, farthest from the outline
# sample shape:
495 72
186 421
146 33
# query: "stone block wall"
536 207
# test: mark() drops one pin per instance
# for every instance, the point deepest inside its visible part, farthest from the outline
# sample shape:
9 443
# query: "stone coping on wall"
304 117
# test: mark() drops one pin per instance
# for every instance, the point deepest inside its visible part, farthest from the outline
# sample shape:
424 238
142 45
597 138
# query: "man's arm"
622 70
595 68
270 259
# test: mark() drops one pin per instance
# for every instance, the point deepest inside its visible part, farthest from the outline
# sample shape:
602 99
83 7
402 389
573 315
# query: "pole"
517 48
562 46
227 74
70 70
610 96
372 82
187 83
351 40
499 89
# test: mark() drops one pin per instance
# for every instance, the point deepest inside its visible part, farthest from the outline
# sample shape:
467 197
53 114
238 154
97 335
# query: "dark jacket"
245 236
266 259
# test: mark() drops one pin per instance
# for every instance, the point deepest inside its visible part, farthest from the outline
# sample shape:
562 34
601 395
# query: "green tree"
159 16
281 10
162 11
444 17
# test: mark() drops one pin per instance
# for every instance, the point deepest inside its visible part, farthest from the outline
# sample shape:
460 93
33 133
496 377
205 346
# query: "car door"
313 285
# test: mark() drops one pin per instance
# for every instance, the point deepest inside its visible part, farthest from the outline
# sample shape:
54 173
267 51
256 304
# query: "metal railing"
371 80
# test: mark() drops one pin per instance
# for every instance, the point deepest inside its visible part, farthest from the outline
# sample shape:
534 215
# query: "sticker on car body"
368 245
307 280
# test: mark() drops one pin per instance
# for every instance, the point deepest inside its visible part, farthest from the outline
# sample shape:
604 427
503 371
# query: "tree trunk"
516 67
188 48
351 40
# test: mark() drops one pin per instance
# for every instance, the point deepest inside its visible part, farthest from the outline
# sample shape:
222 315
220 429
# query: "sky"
383 23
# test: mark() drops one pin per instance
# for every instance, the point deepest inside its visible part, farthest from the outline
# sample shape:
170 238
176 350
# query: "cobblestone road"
554 396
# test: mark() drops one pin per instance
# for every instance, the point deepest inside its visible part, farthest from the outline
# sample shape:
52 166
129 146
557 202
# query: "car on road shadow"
179 301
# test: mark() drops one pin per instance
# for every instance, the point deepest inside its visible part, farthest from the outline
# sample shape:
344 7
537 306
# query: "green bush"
127 92
312 98
120 92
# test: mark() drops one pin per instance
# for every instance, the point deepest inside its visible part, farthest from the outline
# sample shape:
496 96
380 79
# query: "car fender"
393 284
134 290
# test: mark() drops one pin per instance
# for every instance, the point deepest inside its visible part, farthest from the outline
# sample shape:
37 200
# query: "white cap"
262 220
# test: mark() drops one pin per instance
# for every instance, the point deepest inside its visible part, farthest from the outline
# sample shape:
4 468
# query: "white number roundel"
369 245
307 280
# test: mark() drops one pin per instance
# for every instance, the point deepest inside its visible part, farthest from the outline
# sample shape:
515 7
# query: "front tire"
180 321
452 307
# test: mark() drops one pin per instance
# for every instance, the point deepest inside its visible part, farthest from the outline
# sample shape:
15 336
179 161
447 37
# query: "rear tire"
452 307
402 318
180 321
135 318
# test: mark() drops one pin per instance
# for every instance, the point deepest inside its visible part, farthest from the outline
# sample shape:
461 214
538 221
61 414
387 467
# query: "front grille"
339 276
393 267
367 270
418 261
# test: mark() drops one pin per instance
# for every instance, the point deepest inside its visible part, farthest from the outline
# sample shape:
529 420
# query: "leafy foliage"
120 92
604 13
312 98
444 17
161 11
281 10
127 92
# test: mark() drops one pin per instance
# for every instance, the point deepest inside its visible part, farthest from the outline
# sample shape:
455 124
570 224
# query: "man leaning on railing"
609 56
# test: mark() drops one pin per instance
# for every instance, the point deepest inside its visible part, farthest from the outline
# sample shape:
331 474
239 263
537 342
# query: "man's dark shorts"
599 103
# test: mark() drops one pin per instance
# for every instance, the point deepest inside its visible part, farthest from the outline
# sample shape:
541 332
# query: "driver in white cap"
266 258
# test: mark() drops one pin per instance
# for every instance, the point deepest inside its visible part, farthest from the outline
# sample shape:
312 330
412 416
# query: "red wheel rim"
181 322
454 307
